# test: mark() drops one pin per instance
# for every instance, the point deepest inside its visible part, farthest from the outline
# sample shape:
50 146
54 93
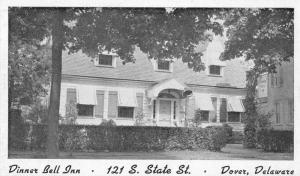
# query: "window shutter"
223 110
139 97
281 77
112 104
71 97
191 108
100 104
272 79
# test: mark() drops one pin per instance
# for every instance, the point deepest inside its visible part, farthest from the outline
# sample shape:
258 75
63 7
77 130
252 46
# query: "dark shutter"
100 104
281 77
223 110
139 97
112 104
71 98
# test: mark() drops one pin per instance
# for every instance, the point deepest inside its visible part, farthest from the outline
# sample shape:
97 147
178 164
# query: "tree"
28 61
264 36
159 33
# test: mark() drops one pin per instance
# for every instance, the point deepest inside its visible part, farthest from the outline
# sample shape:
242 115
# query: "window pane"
85 110
125 112
233 117
105 59
204 116
163 65
214 70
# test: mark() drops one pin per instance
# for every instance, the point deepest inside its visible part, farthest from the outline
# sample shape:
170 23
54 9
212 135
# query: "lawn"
230 152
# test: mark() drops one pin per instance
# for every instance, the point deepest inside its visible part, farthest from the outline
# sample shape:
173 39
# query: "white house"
166 93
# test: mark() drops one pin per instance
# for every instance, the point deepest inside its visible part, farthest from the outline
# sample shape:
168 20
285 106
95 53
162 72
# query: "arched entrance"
167 98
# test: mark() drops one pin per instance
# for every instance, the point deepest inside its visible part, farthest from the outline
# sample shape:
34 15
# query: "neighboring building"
165 93
275 94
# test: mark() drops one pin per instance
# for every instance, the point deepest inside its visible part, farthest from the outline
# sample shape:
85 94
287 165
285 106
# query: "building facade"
157 93
275 95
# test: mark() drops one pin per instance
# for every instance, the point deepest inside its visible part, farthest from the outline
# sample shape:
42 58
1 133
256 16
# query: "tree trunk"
53 114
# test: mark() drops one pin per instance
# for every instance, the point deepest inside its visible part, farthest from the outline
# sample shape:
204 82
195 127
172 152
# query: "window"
105 60
85 110
163 65
234 116
204 115
277 112
125 112
214 70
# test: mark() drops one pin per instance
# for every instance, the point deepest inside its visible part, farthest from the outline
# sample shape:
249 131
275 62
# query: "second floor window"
163 65
105 60
215 70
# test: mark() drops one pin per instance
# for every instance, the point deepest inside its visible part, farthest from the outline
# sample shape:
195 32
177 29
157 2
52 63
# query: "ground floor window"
85 110
234 116
125 112
204 116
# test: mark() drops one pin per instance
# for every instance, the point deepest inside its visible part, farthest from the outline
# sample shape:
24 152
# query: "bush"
249 140
132 138
229 132
275 140
17 130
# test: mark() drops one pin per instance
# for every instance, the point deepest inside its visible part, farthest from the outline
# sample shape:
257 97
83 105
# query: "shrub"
249 140
218 138
229 132
275 140
17 130
132 138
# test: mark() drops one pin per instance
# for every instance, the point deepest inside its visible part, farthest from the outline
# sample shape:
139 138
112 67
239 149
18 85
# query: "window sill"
86 117
215 75
124 118
107 66
165 71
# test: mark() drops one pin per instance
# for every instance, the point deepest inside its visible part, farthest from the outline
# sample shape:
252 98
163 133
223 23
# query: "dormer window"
105 60
163 65
215 70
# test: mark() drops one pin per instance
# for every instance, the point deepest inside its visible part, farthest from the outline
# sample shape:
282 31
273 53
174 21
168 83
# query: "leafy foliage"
264 36
28 57
275 140
158 33
129 138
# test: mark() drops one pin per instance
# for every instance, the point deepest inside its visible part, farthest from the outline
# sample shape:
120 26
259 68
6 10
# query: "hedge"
275 140
129 138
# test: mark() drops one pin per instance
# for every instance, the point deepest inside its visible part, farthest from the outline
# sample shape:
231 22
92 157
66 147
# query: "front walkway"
230 152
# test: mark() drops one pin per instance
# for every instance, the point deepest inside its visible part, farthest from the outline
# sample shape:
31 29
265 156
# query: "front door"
165 110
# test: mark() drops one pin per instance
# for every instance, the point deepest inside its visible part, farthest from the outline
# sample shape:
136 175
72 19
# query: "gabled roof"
81 65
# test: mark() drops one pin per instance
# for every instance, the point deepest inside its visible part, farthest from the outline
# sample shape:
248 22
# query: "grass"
230 152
